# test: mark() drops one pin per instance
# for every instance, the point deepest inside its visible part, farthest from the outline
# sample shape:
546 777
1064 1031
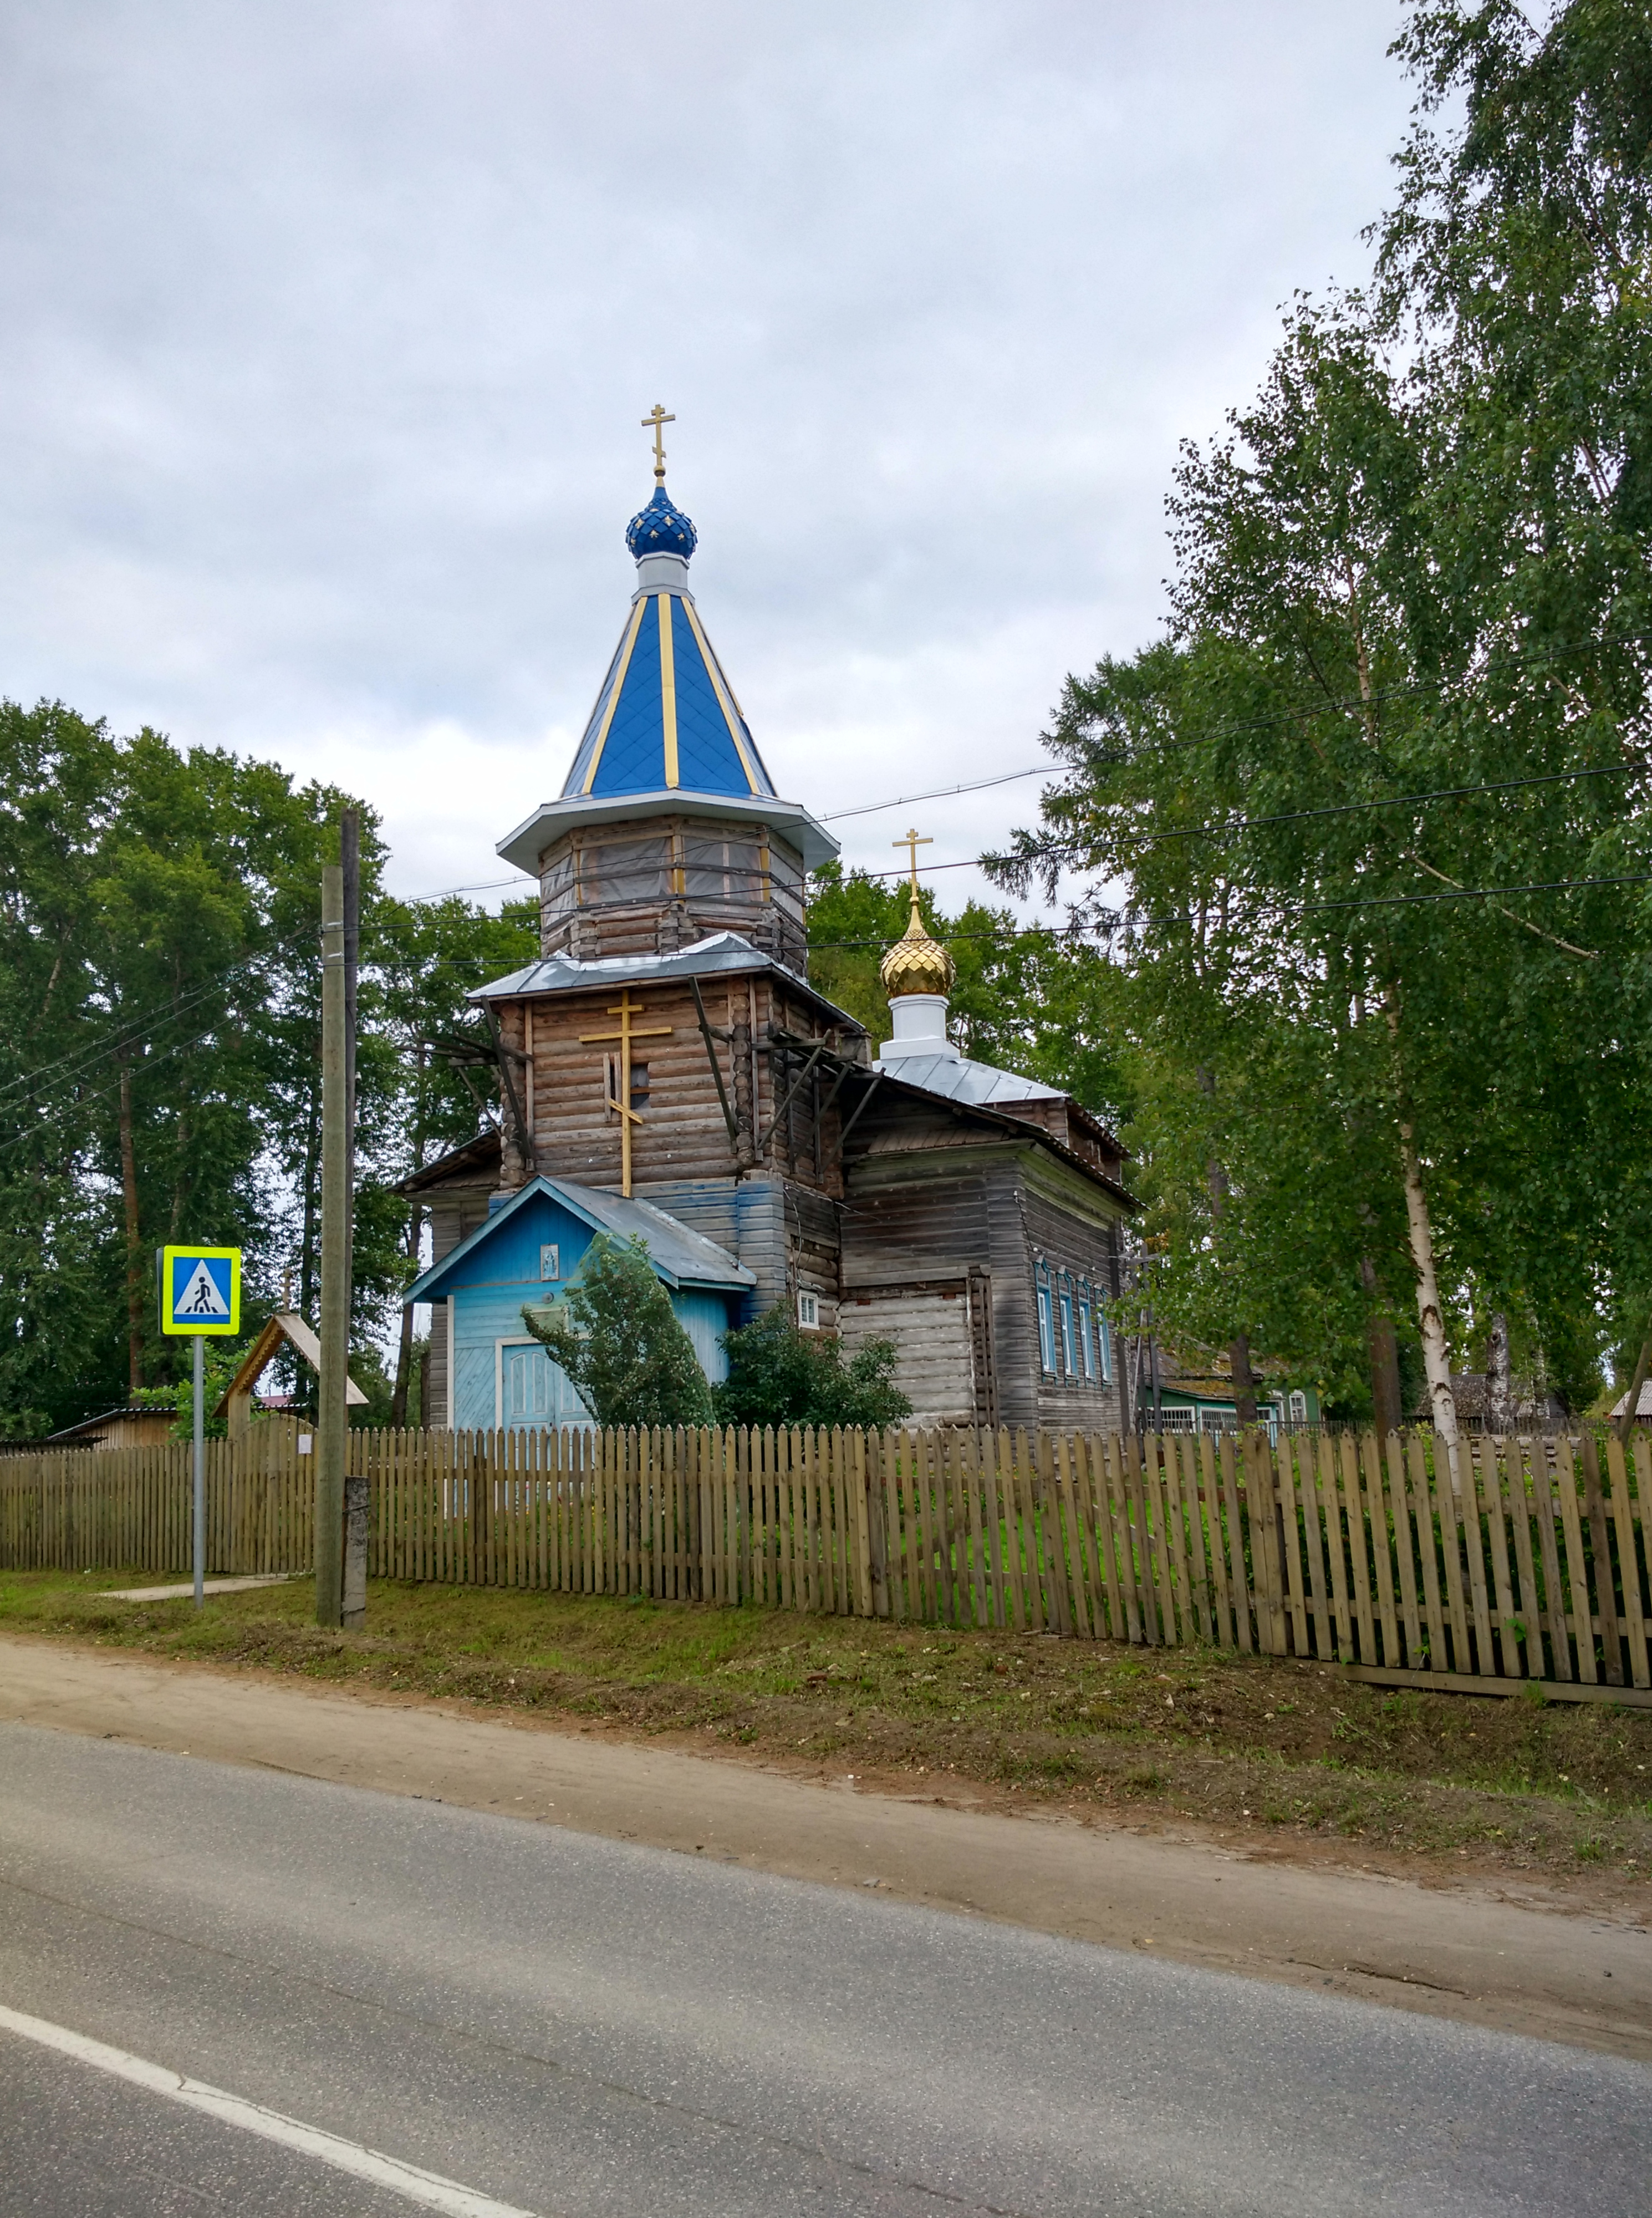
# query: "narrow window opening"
1046 1322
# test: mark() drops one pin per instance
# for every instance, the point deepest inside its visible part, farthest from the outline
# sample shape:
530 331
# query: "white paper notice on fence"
304 1441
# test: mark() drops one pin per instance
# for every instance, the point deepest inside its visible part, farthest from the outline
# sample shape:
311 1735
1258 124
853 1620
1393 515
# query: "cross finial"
913 842
656 421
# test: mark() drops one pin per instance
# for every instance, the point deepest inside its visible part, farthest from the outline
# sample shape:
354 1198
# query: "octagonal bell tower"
668 826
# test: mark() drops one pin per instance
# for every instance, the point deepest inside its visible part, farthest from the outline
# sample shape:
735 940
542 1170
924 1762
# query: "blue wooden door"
534 1390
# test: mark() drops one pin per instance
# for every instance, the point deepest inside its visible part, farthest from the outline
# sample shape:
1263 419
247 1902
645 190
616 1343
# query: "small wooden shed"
134 1425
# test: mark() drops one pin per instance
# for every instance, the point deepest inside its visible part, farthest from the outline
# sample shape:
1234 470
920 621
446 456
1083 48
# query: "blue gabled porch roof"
680 1256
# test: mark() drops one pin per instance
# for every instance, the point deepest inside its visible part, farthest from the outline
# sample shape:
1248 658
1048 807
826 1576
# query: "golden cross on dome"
656 420
626 1032
912 843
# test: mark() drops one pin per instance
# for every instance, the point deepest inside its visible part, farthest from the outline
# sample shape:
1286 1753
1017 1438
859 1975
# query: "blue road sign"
200 1290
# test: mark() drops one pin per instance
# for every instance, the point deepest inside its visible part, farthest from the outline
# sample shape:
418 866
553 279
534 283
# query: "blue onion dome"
661 529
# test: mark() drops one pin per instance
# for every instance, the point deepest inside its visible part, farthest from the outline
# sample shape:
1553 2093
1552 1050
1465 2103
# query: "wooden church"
667 1070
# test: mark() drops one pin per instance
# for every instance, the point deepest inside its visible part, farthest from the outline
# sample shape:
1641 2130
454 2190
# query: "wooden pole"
353 1593
331 1414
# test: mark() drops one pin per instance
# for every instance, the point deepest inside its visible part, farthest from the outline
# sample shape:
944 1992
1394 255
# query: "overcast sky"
328 326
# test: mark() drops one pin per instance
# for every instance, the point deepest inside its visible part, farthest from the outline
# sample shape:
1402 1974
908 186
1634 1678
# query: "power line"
1295 908
941 793
1348 705
1300 815
1356 704
69 1066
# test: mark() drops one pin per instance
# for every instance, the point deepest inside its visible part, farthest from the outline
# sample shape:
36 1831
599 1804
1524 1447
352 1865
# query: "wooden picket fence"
1523 1558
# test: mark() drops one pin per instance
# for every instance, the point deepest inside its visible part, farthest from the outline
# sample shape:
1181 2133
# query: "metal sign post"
201 1297
198 1466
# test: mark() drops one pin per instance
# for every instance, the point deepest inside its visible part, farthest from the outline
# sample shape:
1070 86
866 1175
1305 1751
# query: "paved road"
581 2026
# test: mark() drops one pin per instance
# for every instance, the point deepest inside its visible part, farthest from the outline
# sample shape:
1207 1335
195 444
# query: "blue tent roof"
666 716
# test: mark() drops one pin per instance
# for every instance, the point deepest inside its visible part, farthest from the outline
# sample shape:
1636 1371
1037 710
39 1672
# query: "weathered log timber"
668 1047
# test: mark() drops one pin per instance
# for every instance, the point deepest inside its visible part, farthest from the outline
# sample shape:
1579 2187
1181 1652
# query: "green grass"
1250 1742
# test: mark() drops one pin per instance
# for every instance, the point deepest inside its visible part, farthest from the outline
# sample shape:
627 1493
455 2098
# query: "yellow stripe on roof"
632 630
668 688
731 716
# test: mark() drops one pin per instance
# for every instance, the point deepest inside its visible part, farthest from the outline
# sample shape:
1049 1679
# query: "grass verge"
1287 1750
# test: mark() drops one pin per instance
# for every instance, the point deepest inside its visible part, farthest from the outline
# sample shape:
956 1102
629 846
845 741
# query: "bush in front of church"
779 1376
616 1335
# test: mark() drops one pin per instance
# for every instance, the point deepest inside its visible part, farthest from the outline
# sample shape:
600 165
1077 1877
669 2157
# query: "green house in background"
1206 1405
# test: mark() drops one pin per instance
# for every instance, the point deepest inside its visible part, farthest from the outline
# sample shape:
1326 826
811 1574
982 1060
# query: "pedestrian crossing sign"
200 1290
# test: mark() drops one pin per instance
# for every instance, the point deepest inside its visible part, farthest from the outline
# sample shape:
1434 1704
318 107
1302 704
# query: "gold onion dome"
917 963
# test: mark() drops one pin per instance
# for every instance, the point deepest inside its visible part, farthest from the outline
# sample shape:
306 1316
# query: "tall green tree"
423 959
1407 664
616 1335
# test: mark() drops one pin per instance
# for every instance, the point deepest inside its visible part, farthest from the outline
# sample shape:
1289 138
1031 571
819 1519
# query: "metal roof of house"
978 1085
719 953
681 1256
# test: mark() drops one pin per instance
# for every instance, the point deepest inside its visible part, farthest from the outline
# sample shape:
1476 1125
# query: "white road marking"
428 2189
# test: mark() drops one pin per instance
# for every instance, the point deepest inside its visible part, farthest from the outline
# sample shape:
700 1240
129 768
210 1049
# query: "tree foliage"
779 1376
160 1049
1376 803
617 1337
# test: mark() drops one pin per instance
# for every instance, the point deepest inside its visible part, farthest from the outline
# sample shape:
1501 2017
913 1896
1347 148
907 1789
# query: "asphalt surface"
583 2026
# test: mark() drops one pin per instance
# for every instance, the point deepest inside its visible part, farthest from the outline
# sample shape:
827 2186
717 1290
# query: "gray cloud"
328 330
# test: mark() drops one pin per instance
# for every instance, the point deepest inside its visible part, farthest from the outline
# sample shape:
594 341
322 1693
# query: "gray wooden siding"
931 1331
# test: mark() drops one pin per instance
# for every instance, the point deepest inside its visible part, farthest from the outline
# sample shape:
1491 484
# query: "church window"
783 869
1046 1320
626 871
722 870
550 1260
1069 1353
557 887
808 1312
639 1086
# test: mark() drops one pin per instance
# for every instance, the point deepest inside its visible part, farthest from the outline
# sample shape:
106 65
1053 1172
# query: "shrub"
779 1376
617 1337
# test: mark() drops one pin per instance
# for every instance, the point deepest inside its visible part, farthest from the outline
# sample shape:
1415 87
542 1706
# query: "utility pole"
353 1595
331 1414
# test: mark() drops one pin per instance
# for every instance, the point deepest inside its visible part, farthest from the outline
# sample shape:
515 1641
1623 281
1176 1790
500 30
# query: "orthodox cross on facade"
912 843
626 1032
656 421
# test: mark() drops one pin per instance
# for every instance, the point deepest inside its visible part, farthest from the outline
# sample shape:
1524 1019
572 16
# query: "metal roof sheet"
679 1254
978 1085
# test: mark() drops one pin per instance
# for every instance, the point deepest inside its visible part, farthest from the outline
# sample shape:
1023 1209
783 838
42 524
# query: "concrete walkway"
209 1586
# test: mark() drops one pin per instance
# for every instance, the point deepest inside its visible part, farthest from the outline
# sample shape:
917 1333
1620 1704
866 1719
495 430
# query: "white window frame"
1046 1294
1086 1318
1297 1406
808 1311
1069 1353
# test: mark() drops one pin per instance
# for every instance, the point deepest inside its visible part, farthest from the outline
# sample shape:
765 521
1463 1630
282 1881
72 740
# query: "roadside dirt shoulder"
1533 1965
